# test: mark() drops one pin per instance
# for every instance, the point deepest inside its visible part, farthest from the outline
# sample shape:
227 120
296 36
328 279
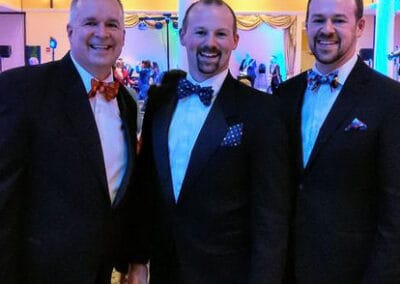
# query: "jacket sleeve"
14 147
271 195
384 261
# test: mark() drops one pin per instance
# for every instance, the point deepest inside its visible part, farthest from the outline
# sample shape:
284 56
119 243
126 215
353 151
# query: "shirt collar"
215 81
344 70
86 76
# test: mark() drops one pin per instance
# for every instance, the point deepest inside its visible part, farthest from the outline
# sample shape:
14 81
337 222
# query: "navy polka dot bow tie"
315 80
187 88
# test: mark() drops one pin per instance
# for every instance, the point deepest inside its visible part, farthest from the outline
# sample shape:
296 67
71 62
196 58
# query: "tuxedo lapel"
81 117
162 119
351 93
128 117
299 89
211 134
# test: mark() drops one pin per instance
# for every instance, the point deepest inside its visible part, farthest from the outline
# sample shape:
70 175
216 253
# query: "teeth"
99 46
209 54
326 42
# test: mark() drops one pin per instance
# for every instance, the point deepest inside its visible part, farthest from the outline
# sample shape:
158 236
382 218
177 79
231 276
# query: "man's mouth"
100 46
209 54
326 42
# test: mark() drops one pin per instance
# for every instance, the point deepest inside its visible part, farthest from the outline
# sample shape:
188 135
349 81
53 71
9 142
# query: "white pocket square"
356 124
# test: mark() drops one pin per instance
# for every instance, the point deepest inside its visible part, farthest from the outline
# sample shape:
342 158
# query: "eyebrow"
324 15
91 18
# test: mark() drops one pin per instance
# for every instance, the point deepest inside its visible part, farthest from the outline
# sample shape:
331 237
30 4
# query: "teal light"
384 35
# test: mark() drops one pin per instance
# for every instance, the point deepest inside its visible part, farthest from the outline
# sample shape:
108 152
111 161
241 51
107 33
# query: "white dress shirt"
109 126
316 106
187 121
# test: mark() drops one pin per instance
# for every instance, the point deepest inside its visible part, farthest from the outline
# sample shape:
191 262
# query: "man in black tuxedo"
346 137
67 158
213 166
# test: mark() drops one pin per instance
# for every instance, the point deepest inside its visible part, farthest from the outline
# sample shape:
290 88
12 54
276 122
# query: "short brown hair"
359 12
209 2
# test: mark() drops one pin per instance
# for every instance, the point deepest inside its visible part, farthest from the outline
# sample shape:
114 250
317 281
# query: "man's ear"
360 27
236 40
182 36
69 30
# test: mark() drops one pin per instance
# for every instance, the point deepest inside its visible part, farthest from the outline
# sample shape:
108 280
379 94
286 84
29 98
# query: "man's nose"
102 30
328 27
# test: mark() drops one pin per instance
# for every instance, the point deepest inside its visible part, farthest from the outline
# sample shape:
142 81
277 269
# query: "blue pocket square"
356 124
233 136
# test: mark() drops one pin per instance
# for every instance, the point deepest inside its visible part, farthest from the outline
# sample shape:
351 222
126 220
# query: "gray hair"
74 3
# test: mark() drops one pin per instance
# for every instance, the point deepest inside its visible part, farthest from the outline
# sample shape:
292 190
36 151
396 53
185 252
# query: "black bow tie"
187 88
315 80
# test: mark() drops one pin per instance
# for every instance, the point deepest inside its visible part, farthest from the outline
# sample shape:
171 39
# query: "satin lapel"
351 93
298 91
128 115
79 113
161 121
211 134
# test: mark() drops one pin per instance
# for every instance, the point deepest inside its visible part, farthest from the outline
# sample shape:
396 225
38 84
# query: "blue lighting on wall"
384 25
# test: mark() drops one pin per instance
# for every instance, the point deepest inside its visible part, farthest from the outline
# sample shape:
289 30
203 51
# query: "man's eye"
90 23
339 21
200 32
318 21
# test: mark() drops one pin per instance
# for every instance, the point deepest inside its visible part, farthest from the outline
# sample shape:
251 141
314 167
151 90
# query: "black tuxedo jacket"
57 221
230 223
347 224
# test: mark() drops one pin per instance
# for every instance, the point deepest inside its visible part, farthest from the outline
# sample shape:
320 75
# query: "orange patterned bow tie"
109 90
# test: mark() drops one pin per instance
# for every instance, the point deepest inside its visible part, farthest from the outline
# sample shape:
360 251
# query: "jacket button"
301 187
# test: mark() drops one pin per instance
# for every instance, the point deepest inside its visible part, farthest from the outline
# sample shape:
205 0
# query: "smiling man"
213 167
67 153
346 138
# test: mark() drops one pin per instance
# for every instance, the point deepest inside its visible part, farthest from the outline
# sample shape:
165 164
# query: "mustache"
328 36
208 49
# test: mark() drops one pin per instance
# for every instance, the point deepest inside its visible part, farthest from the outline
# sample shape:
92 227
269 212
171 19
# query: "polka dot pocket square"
356 124
233 136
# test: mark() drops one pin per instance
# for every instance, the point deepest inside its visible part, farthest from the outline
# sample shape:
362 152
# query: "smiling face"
96 34
209 39
332 30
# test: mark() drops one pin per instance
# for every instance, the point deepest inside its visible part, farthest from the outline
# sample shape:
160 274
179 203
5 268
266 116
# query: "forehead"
210 16
109 9
332 7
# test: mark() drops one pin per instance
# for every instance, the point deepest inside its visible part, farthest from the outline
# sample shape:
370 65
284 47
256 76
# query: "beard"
327 56
204 65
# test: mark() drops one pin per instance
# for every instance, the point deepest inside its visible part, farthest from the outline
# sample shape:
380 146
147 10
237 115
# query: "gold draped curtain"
287 23
132 20
246 23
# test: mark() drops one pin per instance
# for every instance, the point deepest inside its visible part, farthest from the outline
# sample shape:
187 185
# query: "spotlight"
158 25
53 43
167 17
142 25
53 46
175 24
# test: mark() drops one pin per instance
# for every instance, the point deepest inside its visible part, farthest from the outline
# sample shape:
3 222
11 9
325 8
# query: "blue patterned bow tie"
187 88
315 80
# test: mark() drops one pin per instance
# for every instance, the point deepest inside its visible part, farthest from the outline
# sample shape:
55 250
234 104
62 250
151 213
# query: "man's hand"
137 274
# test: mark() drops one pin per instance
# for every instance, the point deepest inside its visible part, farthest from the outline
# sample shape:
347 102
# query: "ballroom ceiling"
168 5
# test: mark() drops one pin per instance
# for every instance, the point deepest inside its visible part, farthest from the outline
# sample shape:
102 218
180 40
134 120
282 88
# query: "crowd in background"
137 78
140 77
